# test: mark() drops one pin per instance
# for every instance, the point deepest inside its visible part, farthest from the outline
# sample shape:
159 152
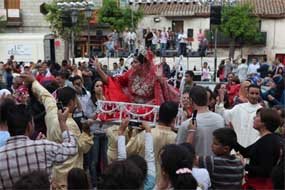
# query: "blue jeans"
97 157
162 49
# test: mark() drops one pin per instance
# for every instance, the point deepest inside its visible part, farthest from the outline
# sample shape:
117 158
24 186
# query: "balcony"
12 17
223 41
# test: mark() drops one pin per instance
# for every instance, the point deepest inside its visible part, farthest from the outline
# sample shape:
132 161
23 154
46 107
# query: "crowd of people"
52 135
158 40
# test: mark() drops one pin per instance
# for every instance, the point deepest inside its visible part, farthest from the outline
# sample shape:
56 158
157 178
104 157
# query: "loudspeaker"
190 33
215 15
43 9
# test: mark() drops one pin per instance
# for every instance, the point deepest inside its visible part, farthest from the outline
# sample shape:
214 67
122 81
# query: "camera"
135 124
60 106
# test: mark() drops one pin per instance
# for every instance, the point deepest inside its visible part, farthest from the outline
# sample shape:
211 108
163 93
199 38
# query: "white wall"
275 36
275 29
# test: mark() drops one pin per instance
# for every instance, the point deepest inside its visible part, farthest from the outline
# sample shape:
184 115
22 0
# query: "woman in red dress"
143 83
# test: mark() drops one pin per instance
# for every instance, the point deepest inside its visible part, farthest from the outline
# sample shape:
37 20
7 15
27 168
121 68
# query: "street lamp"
72 10
88 14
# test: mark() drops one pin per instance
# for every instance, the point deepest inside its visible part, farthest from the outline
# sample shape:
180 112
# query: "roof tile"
262 8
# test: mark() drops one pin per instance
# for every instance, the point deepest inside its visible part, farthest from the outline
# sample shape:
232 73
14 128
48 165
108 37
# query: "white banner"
19 50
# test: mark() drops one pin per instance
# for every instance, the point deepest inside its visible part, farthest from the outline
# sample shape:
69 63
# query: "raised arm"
122 153
101 73
49 102
191 132
149 153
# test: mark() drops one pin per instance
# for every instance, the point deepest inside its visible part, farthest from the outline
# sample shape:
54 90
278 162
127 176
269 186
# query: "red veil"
141 86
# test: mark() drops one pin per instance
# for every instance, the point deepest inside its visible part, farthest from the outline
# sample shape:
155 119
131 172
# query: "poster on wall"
20 50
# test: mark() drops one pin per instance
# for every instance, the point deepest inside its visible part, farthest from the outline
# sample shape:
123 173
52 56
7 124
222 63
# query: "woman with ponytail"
176 168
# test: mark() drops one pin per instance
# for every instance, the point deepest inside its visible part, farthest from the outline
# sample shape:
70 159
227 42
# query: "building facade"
28 36
194 17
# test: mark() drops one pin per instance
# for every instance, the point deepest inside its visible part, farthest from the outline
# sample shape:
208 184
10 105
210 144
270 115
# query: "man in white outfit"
241 116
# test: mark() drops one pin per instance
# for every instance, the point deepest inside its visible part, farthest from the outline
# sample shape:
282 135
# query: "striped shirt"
225 172
22 155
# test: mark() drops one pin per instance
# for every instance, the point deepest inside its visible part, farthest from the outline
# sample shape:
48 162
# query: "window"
12 4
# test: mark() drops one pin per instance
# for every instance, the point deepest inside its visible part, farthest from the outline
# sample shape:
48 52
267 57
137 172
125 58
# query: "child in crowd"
226 170
176 168
200 174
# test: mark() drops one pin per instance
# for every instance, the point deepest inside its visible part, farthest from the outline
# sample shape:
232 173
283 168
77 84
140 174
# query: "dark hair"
167 112
226 136
210 92
198 94
190 149
174 157
190 73
270 118
76 77
121 59
226 97
18 117
230 74
4 106
77 179
236 79
63 74
93 95
33 181
142 59
64 62
121 175
140 162
243 60
253 86
38 112
65 95
51 86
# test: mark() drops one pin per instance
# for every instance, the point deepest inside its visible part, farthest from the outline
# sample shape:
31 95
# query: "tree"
119 18
60 23
239 24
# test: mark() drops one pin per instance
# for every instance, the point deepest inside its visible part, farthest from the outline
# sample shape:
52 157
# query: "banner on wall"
19 49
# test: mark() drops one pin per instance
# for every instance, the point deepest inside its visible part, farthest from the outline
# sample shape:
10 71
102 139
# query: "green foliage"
239 23
55 18
118 18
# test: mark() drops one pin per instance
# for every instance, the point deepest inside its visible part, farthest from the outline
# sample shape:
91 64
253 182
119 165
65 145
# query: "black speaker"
43 9
190 33
215 15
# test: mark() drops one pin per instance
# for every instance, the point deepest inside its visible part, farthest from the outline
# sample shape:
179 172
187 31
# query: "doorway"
177 26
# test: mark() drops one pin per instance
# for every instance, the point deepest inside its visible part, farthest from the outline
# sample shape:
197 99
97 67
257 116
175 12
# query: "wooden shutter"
12 4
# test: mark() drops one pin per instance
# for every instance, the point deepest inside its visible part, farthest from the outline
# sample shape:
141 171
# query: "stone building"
28 31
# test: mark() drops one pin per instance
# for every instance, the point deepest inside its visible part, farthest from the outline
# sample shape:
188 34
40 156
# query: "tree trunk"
66 49
232 49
